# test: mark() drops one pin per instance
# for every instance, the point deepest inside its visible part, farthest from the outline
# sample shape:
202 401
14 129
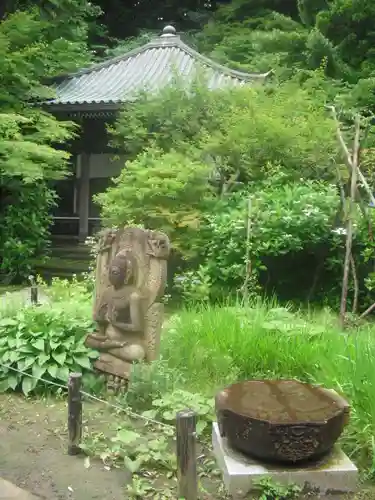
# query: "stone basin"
281 421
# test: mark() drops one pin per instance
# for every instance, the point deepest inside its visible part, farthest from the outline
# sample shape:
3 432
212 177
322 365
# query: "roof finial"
169 31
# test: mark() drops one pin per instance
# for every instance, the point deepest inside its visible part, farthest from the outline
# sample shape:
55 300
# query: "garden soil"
33 456
33 453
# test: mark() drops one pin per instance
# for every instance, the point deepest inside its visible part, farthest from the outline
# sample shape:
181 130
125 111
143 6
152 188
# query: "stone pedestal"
336 475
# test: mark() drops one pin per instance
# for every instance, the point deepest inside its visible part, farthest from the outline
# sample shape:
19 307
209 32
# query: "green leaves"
286 218
45 343
160 190
34 46
189 150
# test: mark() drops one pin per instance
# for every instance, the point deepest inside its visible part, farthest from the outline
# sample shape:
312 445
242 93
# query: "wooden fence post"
74 413
186 422
33 291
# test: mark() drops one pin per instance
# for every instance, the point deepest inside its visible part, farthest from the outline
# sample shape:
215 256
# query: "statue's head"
158 245
122 270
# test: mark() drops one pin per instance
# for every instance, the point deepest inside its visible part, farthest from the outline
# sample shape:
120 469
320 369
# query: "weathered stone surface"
9 491
281 421
334 476
131 275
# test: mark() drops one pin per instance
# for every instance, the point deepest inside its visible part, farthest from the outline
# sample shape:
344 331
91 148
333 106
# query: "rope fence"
185 428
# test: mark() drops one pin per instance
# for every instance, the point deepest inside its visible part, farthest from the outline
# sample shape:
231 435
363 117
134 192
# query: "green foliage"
296 36
166 407
149 381
26 146
150 447
238 129
191 149
159 190
34 44
194 286
174 119
348 25
45 341
24 220
275 491
285 219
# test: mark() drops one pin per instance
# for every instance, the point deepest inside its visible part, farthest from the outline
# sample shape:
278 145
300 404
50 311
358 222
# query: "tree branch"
349 227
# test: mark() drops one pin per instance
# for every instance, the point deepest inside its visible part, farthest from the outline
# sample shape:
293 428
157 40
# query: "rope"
128 412
95 398
35 378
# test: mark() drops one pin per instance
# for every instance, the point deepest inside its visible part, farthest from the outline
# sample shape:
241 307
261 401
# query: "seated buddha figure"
120 313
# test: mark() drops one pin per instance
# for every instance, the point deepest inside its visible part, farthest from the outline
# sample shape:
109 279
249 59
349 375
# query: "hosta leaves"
53 370
4 385
12 381
38 371
59 357
39 345
13 356
25 363
28 384
12 343
43 358
63 374
54 345
82 361
47 342
7 322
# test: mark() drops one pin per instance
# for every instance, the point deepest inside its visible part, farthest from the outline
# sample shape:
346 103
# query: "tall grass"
215 346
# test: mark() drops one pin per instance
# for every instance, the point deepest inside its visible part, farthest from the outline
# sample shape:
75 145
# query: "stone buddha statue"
130 281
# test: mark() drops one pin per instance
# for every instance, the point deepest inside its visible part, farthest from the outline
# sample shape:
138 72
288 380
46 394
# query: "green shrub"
45 341
24 226
63 290
149 382
292 225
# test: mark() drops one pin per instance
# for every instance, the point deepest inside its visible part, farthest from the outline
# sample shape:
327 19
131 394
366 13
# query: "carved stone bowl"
281 421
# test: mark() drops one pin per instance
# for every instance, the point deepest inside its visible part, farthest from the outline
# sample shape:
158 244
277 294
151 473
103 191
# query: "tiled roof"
147 68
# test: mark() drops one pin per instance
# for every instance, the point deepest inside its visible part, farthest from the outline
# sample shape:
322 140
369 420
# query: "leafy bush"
24 226
165 191
150 381
45 341
287 219
187 150
193 286
71 291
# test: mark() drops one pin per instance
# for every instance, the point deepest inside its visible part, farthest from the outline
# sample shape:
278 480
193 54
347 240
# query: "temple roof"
149 68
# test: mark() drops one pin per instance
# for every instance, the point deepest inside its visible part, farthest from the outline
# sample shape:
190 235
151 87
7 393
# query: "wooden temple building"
93 96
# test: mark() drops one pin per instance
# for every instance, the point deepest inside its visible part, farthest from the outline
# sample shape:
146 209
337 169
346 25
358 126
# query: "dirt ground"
33 456
33 443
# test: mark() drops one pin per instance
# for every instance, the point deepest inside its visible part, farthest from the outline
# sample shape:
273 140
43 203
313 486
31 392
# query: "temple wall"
103 166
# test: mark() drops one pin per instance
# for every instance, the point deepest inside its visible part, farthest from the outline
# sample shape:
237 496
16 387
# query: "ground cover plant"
46 341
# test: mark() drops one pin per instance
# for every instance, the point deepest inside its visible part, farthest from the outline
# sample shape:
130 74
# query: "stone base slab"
336 475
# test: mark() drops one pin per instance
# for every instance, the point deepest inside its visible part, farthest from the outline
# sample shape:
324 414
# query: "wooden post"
84 197
186 422
33 291
74 413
